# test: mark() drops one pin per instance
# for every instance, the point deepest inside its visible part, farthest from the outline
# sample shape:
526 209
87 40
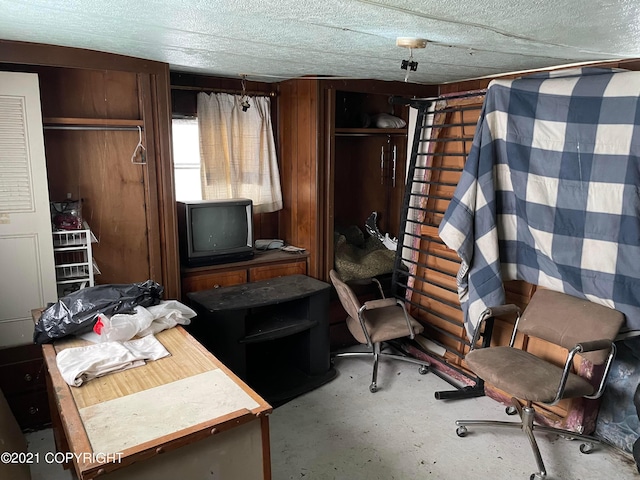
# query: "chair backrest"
348 299
566 321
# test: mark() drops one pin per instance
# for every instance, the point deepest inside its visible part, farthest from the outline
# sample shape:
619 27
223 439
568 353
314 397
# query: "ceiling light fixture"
410 42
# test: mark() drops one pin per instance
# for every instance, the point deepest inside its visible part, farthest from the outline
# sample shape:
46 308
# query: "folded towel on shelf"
81 364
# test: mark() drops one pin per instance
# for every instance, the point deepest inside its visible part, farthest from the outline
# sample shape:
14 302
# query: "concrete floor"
342 431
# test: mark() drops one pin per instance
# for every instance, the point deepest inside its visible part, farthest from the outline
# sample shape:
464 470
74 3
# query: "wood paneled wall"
306 127
131 208
138 88
299 132
118 221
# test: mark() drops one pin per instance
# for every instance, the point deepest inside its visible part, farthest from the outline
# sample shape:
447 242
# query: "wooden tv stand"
263 266
273 333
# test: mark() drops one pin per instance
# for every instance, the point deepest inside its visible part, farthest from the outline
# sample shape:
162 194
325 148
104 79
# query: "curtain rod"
254 93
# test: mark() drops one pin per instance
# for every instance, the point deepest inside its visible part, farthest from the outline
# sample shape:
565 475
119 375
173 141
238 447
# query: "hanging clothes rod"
231 91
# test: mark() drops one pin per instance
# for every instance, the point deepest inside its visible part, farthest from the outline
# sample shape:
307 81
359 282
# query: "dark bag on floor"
77 312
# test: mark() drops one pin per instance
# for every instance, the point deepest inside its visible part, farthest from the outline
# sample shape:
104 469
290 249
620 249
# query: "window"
225 154
186 159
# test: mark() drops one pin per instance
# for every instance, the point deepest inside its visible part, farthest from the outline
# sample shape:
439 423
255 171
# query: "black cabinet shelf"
273 334
278 327
289 383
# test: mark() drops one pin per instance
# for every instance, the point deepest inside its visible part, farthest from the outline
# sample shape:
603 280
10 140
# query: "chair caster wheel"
586 448
373 388
511 410
423 370
462 431
536 476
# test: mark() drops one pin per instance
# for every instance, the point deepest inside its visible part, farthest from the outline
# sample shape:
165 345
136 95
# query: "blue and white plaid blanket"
550 192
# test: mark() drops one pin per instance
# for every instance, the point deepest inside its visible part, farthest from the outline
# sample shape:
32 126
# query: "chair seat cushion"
524 375
383 324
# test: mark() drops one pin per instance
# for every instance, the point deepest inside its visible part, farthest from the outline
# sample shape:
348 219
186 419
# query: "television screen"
215 228
215 231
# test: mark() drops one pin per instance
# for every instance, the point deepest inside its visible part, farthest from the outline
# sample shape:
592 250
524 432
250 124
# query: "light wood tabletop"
151 409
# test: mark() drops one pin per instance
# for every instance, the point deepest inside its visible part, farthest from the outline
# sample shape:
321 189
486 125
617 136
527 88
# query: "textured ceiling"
269 40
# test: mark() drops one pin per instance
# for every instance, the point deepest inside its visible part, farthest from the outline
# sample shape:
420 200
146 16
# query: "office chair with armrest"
582 327
376 322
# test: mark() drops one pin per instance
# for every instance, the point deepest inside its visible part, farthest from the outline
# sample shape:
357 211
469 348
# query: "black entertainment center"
274 334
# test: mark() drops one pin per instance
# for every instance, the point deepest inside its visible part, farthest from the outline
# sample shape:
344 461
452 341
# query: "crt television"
215 231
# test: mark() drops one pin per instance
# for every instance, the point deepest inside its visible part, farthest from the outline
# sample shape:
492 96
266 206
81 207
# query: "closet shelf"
370 131
69 123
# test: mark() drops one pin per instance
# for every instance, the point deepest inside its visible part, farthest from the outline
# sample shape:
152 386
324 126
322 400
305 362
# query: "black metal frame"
400 279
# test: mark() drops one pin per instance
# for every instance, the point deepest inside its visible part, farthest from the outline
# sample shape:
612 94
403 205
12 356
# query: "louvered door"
27 275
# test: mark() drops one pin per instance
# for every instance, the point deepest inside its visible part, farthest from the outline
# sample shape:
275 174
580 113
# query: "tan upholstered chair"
376 322
583 328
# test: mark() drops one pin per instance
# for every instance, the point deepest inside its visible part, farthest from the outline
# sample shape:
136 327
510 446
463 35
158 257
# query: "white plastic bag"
145 321
123 327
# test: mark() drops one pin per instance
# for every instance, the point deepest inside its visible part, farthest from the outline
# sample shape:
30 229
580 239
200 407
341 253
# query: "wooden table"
183 416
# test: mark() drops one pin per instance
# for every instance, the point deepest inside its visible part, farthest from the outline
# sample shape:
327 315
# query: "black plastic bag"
77 312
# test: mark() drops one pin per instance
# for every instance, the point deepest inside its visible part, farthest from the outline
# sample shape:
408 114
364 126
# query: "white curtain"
237 149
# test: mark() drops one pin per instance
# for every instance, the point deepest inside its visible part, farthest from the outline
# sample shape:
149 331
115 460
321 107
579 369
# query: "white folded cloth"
81 364
167 314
